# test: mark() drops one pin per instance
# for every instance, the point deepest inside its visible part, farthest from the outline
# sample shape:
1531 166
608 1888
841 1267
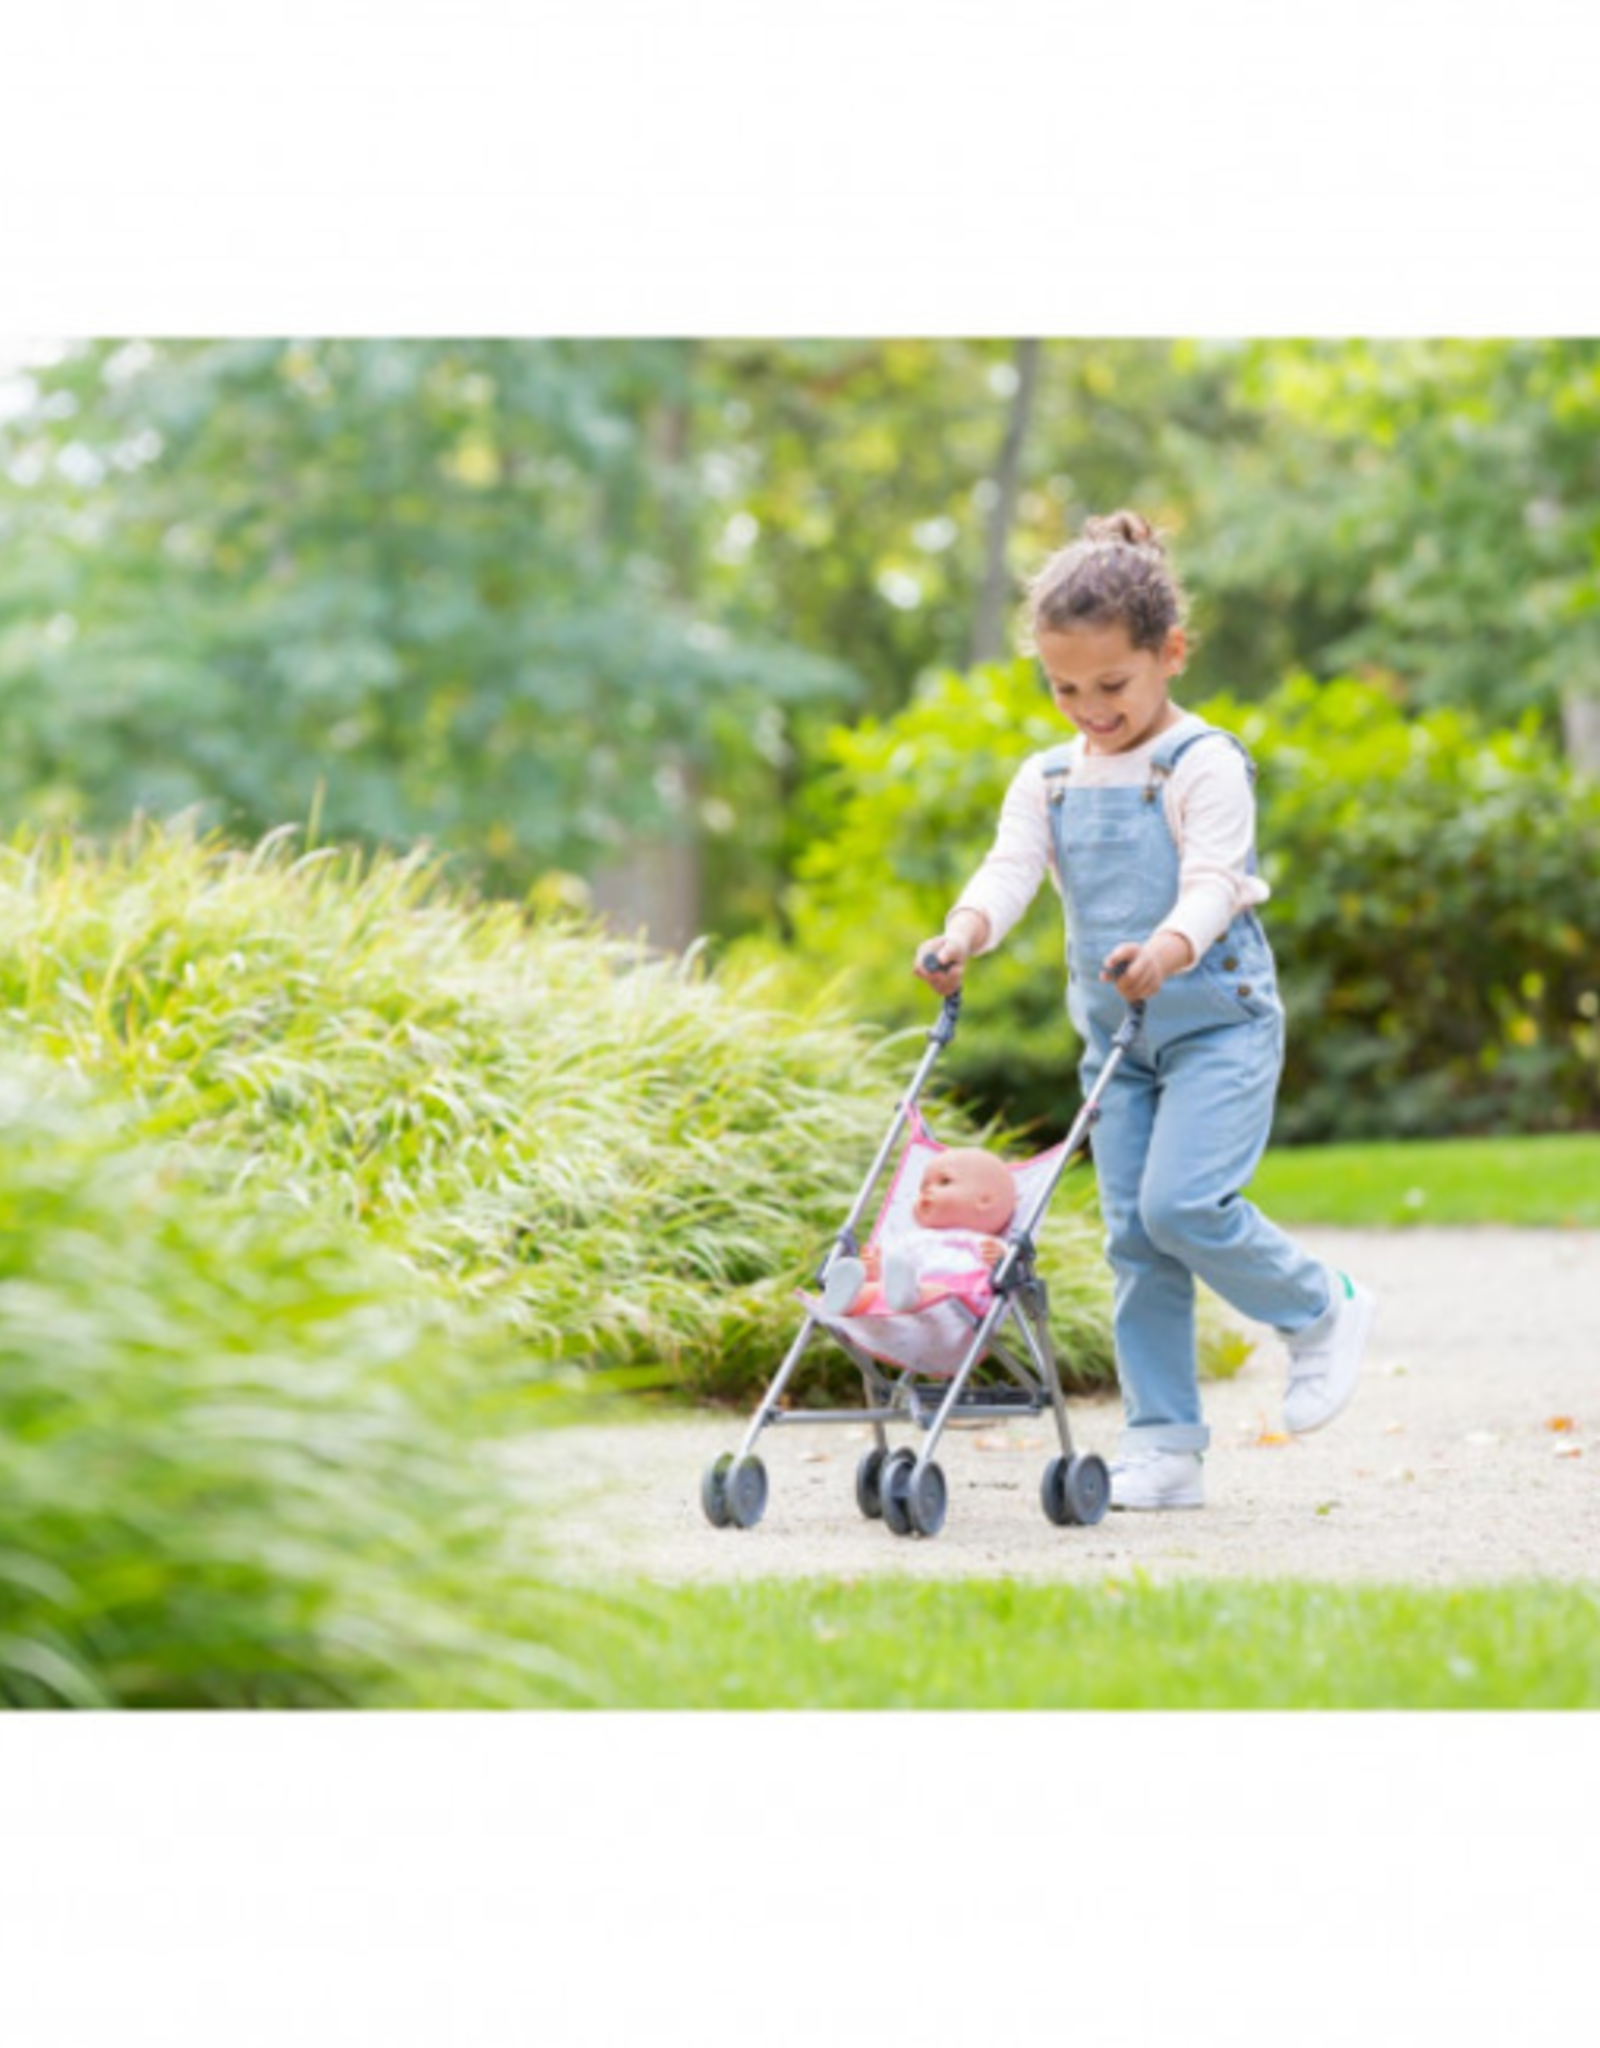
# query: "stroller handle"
931 962
1135 1009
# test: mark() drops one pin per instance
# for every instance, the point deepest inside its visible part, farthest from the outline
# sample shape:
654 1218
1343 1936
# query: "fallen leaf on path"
1560 1422
1568 1450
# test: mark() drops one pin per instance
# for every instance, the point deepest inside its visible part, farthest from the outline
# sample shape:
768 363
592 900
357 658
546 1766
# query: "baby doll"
966 1197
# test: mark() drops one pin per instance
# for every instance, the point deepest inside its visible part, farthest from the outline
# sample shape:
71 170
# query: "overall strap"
1175 744
1055 764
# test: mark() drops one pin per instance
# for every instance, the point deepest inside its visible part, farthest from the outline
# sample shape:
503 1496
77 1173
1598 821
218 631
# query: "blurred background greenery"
346 1121
717 638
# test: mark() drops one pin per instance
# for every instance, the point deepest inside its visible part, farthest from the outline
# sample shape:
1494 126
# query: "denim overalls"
1186 1118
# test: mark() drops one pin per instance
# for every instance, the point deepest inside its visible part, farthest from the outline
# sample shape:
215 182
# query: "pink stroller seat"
933 1338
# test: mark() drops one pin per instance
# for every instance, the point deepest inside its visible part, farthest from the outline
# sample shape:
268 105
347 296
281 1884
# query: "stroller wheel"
869 1485
927 1501
745 1489
893 1487
1076 1491
714 1491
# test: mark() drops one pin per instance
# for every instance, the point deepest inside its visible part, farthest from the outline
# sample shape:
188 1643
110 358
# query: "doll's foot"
843 1287
901 1287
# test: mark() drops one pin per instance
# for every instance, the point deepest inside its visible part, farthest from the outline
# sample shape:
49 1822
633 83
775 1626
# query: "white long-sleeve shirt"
1210 812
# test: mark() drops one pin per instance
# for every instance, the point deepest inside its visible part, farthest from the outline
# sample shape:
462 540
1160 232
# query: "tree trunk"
655 890
988 631
658 886
1580 725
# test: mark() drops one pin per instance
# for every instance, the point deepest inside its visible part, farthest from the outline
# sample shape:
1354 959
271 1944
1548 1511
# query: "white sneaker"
1322 1375
1158 1479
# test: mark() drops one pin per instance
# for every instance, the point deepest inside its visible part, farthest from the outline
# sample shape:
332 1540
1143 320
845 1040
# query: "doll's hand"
1147 966
992 1249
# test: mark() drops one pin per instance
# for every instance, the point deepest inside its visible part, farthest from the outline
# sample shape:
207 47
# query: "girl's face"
1113 692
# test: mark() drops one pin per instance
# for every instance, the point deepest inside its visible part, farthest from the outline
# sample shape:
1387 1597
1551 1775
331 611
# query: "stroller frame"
907 1490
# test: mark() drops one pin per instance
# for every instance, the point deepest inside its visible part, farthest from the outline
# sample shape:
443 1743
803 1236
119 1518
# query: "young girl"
1146 823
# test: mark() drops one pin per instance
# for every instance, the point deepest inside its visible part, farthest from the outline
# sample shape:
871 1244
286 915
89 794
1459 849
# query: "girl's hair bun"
1115 571
1131 528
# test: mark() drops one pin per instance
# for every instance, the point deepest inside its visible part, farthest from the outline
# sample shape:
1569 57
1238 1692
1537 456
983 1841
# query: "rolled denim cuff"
1165 1436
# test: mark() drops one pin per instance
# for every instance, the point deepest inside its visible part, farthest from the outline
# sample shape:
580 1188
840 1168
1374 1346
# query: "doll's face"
965 1189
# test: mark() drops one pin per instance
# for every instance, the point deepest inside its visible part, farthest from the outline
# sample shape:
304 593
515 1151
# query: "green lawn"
997 1644
1549 1181
1553 1181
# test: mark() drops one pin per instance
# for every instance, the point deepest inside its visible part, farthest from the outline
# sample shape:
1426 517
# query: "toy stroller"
919 1366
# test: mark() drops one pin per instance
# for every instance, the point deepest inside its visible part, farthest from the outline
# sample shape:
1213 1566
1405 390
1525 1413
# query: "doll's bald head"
966 1188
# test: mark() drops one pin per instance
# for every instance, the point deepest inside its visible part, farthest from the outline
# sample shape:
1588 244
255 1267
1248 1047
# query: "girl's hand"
966 932
1147 966
953 951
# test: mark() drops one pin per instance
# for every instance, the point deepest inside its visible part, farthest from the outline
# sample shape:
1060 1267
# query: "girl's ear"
1176 649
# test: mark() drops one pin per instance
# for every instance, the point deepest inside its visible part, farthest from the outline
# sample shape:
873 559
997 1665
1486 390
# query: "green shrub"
1436 909
627 1160
1434 905
240 1462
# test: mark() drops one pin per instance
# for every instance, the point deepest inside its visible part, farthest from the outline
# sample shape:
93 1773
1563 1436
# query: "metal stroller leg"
1032 1321
763 1414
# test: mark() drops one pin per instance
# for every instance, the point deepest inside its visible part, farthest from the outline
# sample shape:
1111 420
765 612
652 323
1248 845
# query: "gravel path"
1448 1467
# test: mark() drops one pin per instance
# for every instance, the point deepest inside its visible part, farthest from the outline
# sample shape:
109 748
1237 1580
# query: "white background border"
874 167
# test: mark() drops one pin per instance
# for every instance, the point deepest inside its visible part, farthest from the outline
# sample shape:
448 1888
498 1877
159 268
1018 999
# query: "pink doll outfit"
950 1260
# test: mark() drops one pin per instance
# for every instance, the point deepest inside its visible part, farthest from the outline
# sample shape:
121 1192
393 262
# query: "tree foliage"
417 588
1423 510
554 604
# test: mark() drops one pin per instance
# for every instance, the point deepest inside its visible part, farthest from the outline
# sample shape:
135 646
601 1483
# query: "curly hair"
1116 572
